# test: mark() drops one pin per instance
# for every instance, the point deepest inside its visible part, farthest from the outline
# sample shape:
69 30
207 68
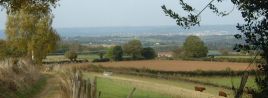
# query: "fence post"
131 93
94 88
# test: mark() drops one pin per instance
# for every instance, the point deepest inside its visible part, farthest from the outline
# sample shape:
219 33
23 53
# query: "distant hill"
148 31
144 31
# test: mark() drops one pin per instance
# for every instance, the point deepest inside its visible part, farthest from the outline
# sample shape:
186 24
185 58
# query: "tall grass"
74 86
16 75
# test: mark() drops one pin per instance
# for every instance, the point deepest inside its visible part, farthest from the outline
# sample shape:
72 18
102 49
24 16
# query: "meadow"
119 86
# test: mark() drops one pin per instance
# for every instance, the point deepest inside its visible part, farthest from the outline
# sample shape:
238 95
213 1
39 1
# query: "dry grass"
17 75
74 86
168 65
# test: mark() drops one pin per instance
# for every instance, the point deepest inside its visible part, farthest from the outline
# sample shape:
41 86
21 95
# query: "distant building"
164 54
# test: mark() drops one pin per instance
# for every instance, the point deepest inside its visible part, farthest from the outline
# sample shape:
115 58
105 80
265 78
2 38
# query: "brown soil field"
168 65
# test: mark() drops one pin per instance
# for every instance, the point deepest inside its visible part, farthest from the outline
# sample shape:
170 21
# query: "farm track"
163 88
51 89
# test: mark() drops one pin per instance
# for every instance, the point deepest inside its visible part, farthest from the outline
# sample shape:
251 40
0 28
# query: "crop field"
168 65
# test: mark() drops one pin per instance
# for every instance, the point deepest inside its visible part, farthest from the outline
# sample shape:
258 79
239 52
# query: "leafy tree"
194 47
71 55
41 6
29 28
117 54
133 48
101 54
109 53
148 53
254 32
31 34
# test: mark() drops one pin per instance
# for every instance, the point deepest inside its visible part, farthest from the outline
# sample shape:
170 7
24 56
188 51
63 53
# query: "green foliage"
31 34
194 47
116 53
133 48
34 6
148 53
71 55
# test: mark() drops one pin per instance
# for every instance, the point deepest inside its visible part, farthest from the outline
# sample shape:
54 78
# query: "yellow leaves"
33 33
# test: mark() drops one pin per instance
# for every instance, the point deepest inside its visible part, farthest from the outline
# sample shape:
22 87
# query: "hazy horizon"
128 13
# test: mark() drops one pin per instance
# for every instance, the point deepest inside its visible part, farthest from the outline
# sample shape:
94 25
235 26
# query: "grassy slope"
120 89
186 85
111 88
182 84
224 81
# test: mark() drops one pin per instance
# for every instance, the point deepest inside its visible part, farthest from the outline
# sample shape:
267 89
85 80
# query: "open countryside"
133 49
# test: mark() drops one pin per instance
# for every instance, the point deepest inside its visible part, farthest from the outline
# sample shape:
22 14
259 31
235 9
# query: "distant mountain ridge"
145 31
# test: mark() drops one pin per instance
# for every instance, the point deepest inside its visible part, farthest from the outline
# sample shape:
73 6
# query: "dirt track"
51 90
168 65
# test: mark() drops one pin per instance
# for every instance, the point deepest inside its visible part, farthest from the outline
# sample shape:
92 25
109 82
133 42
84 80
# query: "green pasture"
112 88
118 88
223 81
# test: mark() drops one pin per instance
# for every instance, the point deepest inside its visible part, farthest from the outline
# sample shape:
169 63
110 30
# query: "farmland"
121 85
168 65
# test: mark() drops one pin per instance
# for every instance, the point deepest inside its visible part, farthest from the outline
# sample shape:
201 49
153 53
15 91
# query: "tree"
194 47
254 32
117 53
42 6
29 30
148 53
71 55
31 34
133 48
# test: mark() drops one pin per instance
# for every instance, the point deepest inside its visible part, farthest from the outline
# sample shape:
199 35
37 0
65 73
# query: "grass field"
112 88
168 65
120 85
223 81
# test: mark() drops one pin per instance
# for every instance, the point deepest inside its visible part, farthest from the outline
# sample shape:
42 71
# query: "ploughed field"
172 65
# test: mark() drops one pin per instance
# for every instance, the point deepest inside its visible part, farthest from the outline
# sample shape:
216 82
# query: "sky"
120 13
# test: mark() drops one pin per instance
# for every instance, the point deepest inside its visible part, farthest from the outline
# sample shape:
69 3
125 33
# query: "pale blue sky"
111 13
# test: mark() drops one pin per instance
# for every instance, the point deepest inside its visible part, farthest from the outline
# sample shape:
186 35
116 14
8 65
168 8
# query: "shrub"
101 60
71 55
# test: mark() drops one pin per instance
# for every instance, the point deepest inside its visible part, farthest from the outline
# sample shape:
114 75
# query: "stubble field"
168 65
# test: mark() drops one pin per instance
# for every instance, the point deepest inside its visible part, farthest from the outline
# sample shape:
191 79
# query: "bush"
101 60
71 55
148 53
